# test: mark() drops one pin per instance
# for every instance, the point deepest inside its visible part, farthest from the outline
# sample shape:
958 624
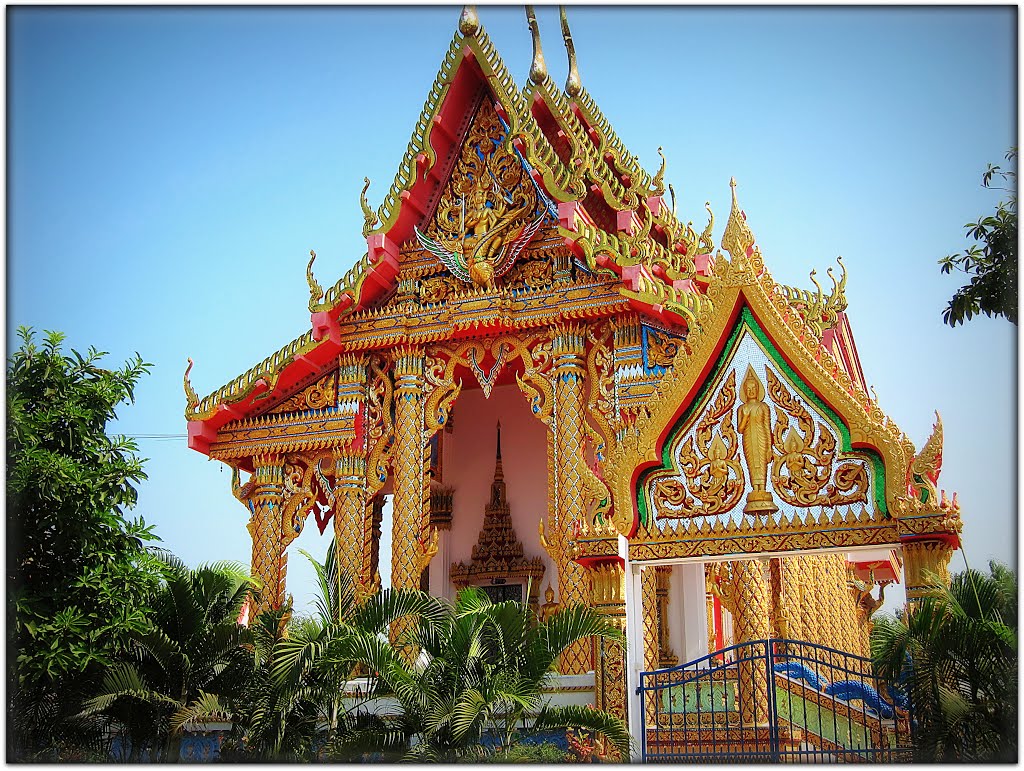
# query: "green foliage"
185 665
480 673
297 694
956 652
521 752
991 261
78 571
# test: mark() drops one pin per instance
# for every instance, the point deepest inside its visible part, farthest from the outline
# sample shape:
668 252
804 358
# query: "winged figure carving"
485 248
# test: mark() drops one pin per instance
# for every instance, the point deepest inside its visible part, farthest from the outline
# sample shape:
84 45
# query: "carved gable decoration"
489 212
758 443
323 393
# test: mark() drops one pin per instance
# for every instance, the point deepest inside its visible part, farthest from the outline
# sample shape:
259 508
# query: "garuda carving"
488 214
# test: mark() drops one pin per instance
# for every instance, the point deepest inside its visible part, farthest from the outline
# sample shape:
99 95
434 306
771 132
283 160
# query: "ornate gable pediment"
487 220
758 442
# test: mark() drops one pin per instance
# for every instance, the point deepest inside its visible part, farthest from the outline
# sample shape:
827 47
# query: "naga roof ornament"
316 292
923 474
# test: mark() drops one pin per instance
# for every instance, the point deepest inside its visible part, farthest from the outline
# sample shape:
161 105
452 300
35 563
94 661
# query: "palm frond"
206 708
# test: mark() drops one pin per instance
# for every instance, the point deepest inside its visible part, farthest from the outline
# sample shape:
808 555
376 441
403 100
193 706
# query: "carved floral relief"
759 449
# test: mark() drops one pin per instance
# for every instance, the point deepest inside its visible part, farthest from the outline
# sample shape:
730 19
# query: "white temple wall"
469 470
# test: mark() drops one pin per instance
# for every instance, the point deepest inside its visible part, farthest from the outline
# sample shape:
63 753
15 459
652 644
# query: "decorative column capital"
926 567
267 477
568 347
408 371
350 471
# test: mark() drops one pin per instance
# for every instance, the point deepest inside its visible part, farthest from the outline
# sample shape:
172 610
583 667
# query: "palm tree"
181 669
956 654
300 694
478 679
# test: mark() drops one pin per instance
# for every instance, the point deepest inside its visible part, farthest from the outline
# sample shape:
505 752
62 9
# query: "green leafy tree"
79 574
185 666
991 261
478 680
956 654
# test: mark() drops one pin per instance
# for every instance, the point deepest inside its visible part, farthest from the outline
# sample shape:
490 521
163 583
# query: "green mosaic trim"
746 320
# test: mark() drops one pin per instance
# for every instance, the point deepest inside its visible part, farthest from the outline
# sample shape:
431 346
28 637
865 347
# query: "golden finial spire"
316 292
573 85
538 70
369 218
737 238
469 22
191 397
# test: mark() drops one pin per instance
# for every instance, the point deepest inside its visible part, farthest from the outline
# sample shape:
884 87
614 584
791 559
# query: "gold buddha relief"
754 422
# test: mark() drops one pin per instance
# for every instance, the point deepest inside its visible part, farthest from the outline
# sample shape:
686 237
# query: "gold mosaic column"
411 496
790 620
649 615
350 511
269 562
920 558
666 656
752 621
568 372
608 595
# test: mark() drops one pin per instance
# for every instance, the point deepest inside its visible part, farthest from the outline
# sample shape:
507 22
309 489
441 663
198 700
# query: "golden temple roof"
620 226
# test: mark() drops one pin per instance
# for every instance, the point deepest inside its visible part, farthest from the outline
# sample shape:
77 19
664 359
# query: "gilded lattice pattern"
350 531
789 622
567 350
751 622
607 581
269 562
408 507
649 621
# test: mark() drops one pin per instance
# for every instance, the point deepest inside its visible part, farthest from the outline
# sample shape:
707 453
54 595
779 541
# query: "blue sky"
169 170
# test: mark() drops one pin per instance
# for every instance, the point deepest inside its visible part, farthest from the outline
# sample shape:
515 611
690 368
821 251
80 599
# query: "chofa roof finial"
573 85
538 70
737 239
469 22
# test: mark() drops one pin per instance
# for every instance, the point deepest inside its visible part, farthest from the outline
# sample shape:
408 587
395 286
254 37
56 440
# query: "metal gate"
773 701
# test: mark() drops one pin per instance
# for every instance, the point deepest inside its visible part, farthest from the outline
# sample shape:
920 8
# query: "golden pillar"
925 567
666 656
568 348
649 616
412 492
411 503
265 502
789 622
752 621
608 595
350 526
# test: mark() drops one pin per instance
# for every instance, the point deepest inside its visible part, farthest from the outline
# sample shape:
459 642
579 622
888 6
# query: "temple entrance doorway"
492 485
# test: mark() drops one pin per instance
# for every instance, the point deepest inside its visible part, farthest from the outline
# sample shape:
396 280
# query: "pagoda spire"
538 70
573 84
498 485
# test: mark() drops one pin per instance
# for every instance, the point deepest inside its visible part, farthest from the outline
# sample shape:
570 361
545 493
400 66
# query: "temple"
569 395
